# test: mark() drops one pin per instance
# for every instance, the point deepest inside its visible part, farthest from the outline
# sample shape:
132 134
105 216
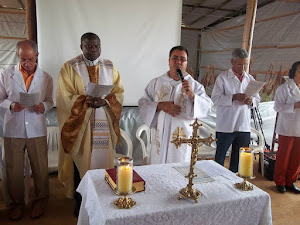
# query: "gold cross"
178 133
195 141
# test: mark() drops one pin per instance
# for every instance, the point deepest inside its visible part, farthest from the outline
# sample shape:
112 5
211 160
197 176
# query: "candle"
246 163
124 178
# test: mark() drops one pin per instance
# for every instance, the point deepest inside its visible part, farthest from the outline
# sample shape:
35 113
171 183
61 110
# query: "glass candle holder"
246 162
124 175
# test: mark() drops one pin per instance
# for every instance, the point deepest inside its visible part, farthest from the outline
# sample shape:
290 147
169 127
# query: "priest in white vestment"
169 106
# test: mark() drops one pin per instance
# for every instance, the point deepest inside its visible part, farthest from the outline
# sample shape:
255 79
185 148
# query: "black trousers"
77 195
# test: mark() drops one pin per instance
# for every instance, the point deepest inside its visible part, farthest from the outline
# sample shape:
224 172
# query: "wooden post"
31 20
198 61
249 28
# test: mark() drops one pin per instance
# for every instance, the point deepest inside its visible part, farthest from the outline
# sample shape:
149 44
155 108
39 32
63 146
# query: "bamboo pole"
31 20
249 28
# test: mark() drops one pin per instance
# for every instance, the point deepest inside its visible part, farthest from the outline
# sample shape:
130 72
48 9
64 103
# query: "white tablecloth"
220 203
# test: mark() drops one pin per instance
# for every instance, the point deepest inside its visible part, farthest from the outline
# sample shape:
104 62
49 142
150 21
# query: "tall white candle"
124 178
246 164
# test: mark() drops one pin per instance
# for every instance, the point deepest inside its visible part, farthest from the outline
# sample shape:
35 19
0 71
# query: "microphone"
179 73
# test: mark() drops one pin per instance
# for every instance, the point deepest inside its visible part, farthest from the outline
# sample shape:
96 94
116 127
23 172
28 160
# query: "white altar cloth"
220 203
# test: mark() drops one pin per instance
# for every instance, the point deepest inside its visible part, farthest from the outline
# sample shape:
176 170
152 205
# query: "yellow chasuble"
74 117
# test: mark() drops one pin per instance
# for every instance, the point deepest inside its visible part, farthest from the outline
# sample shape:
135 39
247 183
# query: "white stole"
100 158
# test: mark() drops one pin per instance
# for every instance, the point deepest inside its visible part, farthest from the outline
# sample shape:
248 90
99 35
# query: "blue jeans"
237 140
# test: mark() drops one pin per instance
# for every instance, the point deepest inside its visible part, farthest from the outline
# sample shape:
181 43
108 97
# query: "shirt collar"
91 62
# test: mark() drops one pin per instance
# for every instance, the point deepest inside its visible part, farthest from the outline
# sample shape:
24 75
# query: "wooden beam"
31 20
12 12
259 21
266 72
240 12
255 47
249 29
196 5
198 56
21 3
14 38
207 7
210 12
189 28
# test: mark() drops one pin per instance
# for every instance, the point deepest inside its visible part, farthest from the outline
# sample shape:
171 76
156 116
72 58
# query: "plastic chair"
128 141
53 136
145 147
205 151
259 148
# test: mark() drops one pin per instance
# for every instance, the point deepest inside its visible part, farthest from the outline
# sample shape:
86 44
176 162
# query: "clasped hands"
95 102
17 107
242 98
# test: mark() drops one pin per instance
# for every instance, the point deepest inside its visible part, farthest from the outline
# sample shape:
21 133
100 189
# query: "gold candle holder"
245 169
124 183
125 202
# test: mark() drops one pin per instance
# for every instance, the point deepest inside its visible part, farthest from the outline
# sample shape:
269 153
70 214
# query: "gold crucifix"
196 142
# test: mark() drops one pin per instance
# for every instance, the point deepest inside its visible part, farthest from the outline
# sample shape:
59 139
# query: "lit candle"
246 163
124 178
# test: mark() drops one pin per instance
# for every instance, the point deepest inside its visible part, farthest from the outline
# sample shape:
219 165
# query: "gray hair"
239 53
31 43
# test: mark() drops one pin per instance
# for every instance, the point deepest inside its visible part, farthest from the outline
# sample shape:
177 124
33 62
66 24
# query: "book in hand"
110 177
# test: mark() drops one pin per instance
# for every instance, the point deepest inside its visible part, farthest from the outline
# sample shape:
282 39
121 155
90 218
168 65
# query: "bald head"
28 54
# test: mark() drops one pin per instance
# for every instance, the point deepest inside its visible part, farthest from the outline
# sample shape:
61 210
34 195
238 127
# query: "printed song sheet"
254 87
31 99
98 90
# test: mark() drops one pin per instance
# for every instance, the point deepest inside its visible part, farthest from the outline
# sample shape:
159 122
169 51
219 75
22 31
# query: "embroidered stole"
100 132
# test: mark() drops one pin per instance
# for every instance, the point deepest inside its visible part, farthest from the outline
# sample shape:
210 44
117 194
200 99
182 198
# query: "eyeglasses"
181 59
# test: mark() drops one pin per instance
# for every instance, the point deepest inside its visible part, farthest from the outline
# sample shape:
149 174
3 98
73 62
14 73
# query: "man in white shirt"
233 109
169 106
25 128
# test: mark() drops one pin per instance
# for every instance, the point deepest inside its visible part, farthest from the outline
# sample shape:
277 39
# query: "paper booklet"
254 87
201 177
31 99
98 90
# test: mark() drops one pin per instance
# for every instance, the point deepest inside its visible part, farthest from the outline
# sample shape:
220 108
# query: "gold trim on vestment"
73 124
116 108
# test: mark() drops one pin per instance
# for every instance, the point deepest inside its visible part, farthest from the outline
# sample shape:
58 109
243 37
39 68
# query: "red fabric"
239 76
287 160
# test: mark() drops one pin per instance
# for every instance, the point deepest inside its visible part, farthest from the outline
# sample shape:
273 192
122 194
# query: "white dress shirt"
26 123
232 115
288 123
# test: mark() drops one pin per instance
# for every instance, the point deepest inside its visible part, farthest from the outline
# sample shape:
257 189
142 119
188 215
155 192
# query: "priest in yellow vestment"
89 125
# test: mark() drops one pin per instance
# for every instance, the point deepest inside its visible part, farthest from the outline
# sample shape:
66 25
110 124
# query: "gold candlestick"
195 141
125 202
124 183
245 168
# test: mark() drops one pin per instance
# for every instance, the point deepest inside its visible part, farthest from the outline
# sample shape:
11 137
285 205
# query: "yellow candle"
246 164
124 178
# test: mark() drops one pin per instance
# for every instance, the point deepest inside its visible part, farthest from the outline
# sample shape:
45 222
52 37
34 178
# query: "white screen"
136 35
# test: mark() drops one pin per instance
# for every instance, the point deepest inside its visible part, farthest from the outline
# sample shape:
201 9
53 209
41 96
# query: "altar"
220 202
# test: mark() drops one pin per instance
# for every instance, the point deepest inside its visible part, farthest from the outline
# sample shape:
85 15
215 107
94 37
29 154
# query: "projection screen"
135 34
